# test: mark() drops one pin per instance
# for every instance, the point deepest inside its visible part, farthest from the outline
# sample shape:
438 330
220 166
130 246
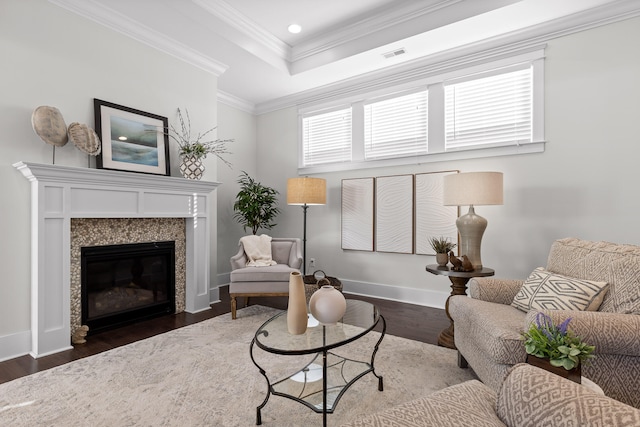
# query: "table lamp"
473 189
306 191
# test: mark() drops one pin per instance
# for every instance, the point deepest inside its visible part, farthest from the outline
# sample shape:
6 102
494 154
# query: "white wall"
54 57
241 127
583 185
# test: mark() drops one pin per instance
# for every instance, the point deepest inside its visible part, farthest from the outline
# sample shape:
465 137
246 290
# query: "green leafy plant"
556 343
196 145
441 245
256 205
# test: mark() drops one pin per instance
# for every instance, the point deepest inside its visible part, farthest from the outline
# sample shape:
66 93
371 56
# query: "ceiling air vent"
394 53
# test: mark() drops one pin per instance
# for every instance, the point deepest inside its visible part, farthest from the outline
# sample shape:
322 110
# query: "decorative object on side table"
297 306
555 348
193 149
441 246
256 205
313 282
472 189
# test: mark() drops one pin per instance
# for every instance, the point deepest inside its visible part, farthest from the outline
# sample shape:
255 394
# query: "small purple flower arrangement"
556 343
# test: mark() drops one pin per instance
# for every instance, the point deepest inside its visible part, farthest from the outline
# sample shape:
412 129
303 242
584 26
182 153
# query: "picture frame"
132 140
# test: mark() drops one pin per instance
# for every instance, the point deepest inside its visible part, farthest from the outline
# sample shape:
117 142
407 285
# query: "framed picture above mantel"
132 140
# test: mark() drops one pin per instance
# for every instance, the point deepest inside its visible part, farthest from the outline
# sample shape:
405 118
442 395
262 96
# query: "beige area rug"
202 375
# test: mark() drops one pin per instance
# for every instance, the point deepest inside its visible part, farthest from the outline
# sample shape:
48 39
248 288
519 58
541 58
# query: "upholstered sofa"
273 280
528 397
488 327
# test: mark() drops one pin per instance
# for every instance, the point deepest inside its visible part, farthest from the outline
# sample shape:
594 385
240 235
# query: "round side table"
459 280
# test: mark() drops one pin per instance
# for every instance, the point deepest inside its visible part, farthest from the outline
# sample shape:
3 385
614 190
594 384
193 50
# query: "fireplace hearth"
126 283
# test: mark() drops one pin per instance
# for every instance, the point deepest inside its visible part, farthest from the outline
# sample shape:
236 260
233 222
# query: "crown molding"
494 48
120 23
236 102
240 22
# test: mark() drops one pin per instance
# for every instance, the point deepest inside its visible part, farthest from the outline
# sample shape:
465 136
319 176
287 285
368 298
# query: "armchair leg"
233 307
462 362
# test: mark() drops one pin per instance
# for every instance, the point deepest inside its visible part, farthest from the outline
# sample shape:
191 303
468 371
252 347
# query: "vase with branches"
195 147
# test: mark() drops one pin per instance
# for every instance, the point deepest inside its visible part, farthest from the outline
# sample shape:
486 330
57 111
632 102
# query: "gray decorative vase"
191 167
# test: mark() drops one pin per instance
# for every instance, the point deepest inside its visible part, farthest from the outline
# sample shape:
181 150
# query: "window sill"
534 147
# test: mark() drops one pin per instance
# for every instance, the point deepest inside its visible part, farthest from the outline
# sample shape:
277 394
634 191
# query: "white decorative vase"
327 305
191 167
297 307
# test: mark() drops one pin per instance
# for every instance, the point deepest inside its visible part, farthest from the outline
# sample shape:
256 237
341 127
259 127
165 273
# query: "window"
473 110
493 110
396 127
327 137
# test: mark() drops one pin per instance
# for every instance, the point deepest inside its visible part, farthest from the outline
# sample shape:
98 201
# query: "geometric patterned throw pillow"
544 290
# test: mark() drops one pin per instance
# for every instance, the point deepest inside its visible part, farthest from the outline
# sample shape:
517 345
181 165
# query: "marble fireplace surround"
60 193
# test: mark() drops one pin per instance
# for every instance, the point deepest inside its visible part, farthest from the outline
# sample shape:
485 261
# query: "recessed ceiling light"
294 28
122 138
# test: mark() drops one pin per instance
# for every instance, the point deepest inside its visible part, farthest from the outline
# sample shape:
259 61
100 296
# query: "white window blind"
396 127
494 110
327 137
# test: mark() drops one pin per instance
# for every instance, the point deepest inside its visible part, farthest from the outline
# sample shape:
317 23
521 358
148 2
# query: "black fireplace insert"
123 284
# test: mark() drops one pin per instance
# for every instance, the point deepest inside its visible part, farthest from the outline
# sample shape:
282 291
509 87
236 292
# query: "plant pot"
574 374
191 167
442 259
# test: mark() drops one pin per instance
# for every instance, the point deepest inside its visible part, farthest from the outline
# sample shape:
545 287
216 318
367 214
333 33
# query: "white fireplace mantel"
59 193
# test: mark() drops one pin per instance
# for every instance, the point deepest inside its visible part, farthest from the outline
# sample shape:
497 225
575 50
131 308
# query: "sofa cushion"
272 273
618 265
281 251
470 403
544 290
530 396
500 327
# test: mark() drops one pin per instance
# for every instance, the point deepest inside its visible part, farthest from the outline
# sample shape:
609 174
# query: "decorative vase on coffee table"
297 306
327 305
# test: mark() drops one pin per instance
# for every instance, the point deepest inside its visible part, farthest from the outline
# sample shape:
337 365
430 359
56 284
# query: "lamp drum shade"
473 188
306 191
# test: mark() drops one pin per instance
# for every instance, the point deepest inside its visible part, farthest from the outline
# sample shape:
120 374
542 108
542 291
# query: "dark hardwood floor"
405 320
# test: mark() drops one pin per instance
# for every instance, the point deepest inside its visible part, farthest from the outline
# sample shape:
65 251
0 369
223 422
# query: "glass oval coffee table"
321 383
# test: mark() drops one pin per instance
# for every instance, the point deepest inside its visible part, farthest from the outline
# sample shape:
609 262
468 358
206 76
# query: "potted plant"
555 348
441 246
192 149
256 205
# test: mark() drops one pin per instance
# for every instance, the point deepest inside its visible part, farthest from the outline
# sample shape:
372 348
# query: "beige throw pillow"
544 290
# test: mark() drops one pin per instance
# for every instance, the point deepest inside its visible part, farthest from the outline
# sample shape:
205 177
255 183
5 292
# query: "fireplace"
122 284
62 195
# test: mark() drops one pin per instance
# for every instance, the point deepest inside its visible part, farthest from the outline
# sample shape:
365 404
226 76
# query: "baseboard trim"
15 345
425 297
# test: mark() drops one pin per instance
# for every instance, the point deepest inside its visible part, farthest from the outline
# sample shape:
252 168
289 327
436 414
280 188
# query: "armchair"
488 329
270 280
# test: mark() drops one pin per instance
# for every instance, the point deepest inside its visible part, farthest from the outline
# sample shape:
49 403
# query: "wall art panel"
394 214
357 214
432 218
